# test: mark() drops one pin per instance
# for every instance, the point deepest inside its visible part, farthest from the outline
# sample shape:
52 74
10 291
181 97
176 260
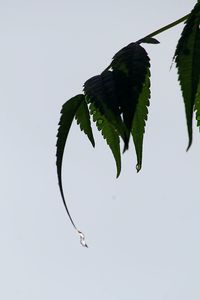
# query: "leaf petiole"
166 27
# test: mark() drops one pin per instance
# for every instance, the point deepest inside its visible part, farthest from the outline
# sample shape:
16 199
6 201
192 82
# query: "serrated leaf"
68 112
197 106
139 120
83 119
109 134
187 58
101 91
130 67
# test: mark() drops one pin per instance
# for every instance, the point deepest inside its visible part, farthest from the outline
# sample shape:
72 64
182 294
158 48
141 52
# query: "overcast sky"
143 230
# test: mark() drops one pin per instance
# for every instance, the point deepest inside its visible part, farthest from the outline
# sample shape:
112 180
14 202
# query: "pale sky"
143 230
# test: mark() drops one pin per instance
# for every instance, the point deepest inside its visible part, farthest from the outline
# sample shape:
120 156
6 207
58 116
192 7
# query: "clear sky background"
143 230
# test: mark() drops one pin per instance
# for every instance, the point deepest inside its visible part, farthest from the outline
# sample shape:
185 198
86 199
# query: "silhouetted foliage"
118 98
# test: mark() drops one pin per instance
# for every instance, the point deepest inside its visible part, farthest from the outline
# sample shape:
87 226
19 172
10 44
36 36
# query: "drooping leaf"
197 106
68 112
101 91
187 58
83 119
139 120
109 134
130 67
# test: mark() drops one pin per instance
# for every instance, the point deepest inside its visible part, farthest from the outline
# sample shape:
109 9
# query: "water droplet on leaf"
100 122
138 167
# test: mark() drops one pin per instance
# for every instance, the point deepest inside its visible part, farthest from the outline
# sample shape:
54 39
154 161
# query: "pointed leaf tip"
83 119
109 133
138 167
68 112
139 120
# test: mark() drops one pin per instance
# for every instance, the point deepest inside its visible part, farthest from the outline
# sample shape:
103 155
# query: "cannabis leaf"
74 108
101 91
140 118
109 134
83 119
187 58
130 67
118 98
197 106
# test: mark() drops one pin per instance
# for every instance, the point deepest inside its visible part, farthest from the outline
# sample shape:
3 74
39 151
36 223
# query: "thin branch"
159 31
165 28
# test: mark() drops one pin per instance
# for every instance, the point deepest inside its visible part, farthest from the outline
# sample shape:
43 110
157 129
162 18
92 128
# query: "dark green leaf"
197 106
187 57
83 119
139 120
109 134
68 112
130 67
101 91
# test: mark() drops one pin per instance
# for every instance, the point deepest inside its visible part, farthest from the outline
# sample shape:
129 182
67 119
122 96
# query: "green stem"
165 28
159 31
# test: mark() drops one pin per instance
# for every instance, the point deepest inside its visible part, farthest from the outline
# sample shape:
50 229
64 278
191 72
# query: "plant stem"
165 27
159 31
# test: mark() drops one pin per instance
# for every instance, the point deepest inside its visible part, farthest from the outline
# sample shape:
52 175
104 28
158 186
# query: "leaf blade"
68 112
101 91
83 120
187 58
139 120
109 134
130 65
197 106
